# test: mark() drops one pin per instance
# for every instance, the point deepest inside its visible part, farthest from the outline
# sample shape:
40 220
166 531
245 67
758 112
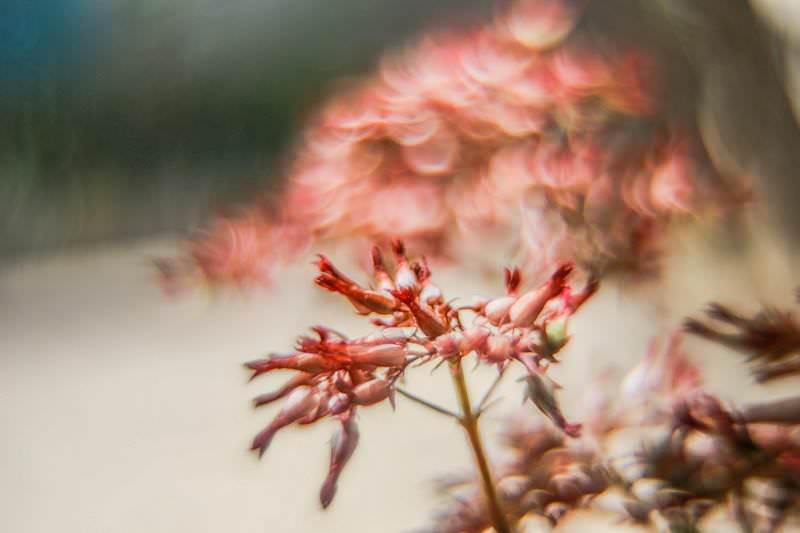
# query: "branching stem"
469 421
479 408
426 403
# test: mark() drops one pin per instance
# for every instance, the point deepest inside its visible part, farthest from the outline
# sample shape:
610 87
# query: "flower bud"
380 355
386 336
524 312
305 362
343 444
320 411
289 386
298 404
372 392
383 280
448 345
541 391
431 294
555 334
404 276
343 382
497 310
474 339
498 348
527 308
425 318
338 404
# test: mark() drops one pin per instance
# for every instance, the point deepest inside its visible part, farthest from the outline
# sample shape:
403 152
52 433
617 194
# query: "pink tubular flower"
343 444
336 375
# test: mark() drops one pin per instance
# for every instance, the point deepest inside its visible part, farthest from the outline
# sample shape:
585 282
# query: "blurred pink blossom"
484 128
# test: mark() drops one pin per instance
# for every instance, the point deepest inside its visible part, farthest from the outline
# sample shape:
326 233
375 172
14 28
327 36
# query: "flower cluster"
335 375
518 125
660 450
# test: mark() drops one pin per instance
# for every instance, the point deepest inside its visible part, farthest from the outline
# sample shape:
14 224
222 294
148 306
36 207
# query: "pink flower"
477 129
336 375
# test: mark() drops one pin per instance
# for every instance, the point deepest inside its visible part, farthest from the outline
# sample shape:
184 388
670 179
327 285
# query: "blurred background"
128 118
126 123
131 118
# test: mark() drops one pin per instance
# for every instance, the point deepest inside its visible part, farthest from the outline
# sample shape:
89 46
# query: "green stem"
469 421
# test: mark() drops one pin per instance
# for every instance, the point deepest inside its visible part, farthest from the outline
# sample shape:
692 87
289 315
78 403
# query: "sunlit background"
126 124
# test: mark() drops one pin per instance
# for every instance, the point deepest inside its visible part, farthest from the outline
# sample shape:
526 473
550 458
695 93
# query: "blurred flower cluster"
518 126
658 450
335 374
770 339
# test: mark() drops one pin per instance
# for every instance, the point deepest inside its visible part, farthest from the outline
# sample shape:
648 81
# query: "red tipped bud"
404 277
426 319
526 310
383 280
542 392
513 278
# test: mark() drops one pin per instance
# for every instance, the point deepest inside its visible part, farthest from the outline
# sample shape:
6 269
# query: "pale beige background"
123 412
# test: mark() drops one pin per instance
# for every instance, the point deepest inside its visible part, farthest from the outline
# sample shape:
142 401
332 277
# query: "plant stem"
488 394
470 424
430 405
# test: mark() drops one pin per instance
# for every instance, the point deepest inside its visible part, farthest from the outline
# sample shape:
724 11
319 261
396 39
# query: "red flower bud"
343 444
526 309
298 404
371 392
380 355
304 362
289 386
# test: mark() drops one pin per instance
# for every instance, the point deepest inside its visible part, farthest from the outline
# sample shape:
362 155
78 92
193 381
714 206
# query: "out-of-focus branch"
781 412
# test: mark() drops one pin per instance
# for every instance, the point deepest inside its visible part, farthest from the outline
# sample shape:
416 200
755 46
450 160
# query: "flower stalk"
469 421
